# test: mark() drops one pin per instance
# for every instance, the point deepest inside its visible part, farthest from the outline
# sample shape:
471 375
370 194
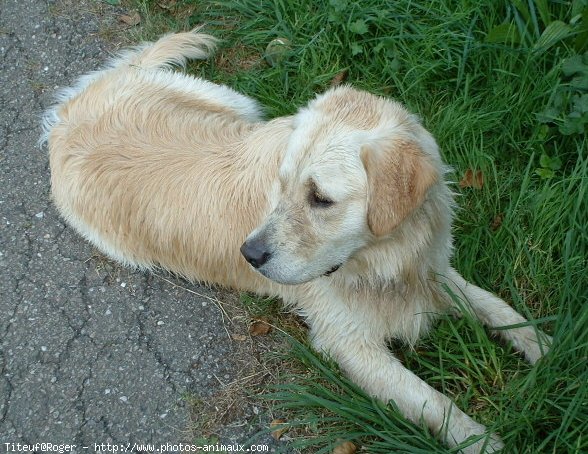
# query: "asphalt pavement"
90 352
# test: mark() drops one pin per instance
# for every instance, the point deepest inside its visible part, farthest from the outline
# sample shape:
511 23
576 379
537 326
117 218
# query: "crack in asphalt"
147 340
8 395
8 131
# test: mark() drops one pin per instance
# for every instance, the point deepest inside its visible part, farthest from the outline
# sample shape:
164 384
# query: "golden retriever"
341 210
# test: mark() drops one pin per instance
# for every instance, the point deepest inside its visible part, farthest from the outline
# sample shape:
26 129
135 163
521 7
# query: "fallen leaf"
132 20
239 337
340 78
259 328
497 221
345 448
471 180
167 4
280 429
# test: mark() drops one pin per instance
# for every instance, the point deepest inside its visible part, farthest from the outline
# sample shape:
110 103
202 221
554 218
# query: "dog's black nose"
255 252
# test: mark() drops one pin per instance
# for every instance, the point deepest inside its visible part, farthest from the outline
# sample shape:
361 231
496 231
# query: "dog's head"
355 168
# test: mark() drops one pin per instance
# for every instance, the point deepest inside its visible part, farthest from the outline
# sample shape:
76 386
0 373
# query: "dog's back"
146 162
145 64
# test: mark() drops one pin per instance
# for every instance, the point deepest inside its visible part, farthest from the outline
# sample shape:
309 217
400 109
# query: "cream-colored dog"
341 210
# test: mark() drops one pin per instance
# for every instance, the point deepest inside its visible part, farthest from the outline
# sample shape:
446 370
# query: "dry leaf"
471 180
259 328
497 221
345 448
239 337
132 20
340 78
167 4
280 429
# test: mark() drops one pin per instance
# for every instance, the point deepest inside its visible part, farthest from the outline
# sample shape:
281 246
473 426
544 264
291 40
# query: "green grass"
482 100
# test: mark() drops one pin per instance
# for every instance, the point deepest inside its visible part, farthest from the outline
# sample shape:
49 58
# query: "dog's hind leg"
495 313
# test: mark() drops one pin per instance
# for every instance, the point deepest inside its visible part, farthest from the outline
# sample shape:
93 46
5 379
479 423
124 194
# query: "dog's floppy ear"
399 176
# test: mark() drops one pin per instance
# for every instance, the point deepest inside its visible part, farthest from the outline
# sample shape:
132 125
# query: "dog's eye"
318 200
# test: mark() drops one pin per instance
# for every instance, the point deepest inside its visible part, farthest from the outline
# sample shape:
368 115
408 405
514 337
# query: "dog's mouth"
332 270
280 280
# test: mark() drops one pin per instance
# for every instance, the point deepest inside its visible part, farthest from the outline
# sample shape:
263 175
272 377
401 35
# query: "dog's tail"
173 49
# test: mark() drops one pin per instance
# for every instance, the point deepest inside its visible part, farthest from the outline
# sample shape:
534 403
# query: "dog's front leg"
365 358
495 313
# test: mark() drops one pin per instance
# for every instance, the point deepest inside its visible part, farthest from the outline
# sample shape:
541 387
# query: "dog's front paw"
487 445
464 428
534 344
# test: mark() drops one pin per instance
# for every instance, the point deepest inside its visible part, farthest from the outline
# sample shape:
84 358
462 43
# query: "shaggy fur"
342 209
